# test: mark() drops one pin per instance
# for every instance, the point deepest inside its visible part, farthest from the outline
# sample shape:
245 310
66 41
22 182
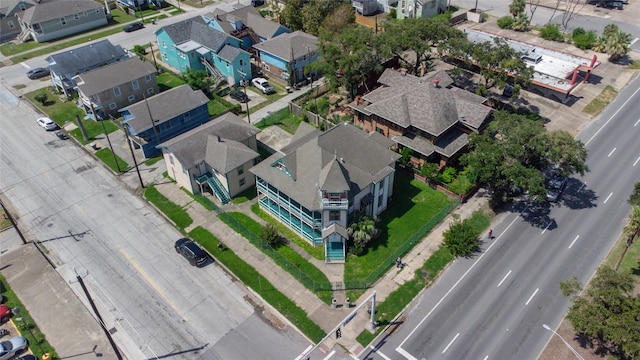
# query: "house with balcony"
287 55
246 24
411 9
164 116
191 44
9 24
104 91
370 7
426 114
53 19
215 157
320 179
65 65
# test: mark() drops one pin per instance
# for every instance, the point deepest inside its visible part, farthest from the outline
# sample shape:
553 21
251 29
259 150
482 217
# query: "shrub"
578 31
125 8
42 99
461 238
429 171
447 175
585 41
140 50
552 32
393 13
505 22
521 22
271 236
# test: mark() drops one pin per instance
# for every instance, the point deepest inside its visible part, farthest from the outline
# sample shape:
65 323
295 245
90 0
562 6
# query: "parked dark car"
133 27
256 3
611 5
191 251
37 73
239 95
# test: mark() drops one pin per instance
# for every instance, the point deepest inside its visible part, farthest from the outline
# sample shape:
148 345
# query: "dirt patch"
601 101
557 350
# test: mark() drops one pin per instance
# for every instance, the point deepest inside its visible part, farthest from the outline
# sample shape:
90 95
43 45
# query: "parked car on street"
263 85
555 186
133 27
12 347
191 251
47 123
239 95
611 5
37 73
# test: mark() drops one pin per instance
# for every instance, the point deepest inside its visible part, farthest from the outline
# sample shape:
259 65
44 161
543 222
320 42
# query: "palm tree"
362 230
632 229
618 44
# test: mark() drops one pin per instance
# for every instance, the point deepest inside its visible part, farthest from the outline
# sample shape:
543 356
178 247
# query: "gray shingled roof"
7 6
110 76
84 57
229 53
195 29
164 106
250 17
415 101
192 147
48 10
342 158
289 46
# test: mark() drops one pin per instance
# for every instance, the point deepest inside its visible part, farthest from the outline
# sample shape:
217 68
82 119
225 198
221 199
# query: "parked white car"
263 85
47 123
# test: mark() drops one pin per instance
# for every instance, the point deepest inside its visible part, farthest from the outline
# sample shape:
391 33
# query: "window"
22 7
380 197
378 130
165 56
186 116
167 125
164 44
192 55
131 98
150 91
241 182
116 91
241 62
266 67
10 23
334 215
76 17
135 85
98 10
147 78
112 106
63 21
240 170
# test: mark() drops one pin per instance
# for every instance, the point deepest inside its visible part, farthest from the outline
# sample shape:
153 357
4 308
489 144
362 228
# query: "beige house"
112 87
214 157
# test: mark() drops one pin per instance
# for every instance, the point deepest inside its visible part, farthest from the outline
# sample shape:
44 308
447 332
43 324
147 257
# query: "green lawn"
153 160
106 156
287 258
245 196
167 80
58 110
215 108
414 205
174 212
253 279
283 119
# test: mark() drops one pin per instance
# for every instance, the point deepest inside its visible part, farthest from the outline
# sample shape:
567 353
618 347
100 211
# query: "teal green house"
191 44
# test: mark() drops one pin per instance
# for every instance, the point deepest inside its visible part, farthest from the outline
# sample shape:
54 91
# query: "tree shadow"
537 214
578 196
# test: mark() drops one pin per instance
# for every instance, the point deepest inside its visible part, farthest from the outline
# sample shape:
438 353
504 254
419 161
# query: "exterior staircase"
24 36
219 190
218 78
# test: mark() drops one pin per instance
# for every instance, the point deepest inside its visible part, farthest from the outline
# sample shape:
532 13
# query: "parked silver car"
11 347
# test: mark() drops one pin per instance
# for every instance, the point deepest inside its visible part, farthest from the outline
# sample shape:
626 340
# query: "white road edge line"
545 229
573 242
450 342
329 355
612 151
607 199
404 352
504 278
385 357
638 159
637 122
633 41
304 352
486 357
612 116
531 297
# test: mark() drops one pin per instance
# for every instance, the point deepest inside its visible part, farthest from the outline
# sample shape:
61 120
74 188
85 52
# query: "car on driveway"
191 251
37 73
133 27
611 5
263 85
47 123
11 347
239 95
5 313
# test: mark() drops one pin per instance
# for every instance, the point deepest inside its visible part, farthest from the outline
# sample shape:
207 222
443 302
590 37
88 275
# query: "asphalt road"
492 306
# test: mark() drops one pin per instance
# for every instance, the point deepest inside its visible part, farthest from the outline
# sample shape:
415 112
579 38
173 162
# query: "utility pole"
153 123
153 56
104 130
133 155
244 85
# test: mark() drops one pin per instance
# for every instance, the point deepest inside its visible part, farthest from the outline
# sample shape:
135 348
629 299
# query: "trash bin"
288 89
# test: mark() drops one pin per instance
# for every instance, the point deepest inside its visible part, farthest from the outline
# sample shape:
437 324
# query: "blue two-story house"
191 44
288 56
164 116
246 24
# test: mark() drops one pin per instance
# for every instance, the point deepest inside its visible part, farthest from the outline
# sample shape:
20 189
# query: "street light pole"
547 327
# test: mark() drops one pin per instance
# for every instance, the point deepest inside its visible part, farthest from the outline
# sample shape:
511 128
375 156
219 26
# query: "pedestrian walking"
490 233
399 262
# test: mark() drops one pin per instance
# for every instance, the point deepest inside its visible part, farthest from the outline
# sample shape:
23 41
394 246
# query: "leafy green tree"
517 7
570 287
291 16
634 197
42 98
497 60
551 32
198 80
429 171
315 12
617 45
631 230
405 157
606 314
461 239
270 236
515 150
361 231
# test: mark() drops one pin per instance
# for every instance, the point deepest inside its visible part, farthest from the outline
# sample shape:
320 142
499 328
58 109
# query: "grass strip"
107 157
287 258
174 212
601 101
251 278
28 328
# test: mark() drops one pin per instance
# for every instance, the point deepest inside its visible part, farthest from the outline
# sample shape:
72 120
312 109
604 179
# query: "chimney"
436 81
218 139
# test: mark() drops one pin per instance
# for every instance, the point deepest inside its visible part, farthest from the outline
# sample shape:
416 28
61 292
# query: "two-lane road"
493 306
